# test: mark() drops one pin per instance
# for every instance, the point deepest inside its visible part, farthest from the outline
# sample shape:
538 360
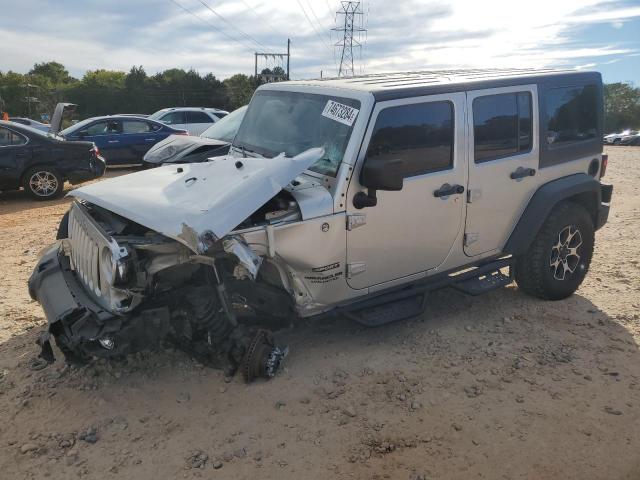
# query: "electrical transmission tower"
352 16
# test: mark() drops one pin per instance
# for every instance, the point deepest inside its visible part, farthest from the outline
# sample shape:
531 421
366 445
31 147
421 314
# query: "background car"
213 142
121 139
630 140
616 138
192 119
41 163
44 127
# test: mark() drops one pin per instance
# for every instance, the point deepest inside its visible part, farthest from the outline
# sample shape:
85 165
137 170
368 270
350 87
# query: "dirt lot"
497 387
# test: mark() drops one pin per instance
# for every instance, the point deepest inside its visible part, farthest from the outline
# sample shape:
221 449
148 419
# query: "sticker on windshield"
340 113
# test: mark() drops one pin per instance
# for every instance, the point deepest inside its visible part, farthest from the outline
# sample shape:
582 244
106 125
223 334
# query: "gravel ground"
501 386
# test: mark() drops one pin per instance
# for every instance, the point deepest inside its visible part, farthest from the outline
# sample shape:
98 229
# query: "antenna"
351 22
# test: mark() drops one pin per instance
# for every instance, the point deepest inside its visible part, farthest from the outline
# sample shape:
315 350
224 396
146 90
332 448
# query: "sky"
221 36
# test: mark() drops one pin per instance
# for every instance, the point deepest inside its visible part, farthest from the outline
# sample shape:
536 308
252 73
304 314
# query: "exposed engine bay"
134 289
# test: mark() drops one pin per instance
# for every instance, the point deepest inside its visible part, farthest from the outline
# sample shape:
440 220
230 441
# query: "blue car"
122 139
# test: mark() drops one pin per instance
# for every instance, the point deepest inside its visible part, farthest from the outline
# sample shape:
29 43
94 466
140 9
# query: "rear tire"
559 257
43 183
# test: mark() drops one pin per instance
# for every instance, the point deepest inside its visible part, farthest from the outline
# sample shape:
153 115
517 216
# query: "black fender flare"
585 189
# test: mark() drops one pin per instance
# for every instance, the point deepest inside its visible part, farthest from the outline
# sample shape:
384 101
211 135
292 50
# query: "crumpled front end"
113 287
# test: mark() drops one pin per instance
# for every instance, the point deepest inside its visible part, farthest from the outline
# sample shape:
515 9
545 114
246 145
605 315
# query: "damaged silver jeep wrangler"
355 196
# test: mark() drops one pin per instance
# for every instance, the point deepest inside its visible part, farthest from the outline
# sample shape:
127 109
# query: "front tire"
559 257
43 183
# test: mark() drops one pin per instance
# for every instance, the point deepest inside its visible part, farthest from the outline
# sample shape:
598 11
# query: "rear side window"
420 134
9 138
198 117
136 126
173 118
572 114
502 125
102 128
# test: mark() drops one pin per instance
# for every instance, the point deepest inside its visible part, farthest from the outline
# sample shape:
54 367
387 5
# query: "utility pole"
281 56
352 22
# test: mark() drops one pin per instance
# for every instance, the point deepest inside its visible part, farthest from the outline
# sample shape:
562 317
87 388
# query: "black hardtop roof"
388 86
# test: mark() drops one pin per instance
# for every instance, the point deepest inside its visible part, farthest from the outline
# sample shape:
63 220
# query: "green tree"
53 71
621 107
239 89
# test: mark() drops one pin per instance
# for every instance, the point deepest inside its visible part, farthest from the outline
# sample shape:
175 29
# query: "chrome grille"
85 254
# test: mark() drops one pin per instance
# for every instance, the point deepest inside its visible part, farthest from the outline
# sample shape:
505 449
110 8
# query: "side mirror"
379 173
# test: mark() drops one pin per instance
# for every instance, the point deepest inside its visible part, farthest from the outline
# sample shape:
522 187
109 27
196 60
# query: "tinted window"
420 134
19 120
173 118
501 125
198 117
136 126
102 128
572 114
7 138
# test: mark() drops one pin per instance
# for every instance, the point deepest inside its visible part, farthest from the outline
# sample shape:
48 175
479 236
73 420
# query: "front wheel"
559 257
43 183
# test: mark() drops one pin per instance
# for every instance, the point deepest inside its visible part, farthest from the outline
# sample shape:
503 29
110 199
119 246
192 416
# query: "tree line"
104 92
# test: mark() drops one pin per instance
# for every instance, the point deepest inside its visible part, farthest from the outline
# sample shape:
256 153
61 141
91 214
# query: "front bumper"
80 326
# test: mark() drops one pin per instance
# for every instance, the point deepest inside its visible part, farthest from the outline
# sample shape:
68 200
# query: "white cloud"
412 34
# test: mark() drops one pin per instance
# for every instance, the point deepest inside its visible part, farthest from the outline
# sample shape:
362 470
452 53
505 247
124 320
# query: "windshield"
292 122
225 128
76 127
35 131
158 114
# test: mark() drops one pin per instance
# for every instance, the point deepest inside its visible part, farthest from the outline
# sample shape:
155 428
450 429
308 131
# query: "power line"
246 35
192 13
261 18
313 26
314 15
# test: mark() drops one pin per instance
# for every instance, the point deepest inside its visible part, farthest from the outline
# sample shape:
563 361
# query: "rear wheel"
43 183
559 257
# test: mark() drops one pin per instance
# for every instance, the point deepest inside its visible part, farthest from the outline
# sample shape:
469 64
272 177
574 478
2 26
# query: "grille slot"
85 253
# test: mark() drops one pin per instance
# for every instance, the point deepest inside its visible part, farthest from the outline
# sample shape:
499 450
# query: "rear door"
198 122
503 151
140 136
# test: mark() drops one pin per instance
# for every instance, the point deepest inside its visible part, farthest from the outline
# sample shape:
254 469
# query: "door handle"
114 141
149 139
522 173
446 190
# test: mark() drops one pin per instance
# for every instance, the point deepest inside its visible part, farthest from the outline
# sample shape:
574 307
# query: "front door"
503 162
106 135
13 155
412 230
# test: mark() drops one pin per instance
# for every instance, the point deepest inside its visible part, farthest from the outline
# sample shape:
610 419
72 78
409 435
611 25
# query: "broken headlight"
116 271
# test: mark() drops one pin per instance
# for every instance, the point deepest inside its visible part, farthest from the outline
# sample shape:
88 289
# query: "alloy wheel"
565 253
43 183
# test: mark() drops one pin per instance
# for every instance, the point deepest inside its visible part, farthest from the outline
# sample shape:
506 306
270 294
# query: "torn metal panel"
200 202
248 259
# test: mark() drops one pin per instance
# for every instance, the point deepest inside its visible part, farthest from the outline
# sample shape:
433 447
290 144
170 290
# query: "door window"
136 126
9 138
102 128
420 134
572 114
173 118
502 125
198 117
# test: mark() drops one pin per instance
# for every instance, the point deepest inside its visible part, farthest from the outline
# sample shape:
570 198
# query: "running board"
485 282
401 309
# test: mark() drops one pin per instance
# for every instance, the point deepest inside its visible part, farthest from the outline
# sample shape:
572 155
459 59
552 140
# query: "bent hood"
175 145
198 203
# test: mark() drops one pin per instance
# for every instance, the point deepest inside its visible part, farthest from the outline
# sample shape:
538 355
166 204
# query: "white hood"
198 203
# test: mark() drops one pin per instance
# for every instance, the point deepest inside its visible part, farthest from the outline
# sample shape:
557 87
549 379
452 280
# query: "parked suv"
192 119
351 196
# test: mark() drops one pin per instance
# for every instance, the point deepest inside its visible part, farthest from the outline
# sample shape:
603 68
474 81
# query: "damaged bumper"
81 327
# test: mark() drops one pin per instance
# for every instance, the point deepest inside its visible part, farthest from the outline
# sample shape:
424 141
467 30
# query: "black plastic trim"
543 201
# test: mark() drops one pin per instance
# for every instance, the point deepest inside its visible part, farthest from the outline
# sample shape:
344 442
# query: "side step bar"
410 301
